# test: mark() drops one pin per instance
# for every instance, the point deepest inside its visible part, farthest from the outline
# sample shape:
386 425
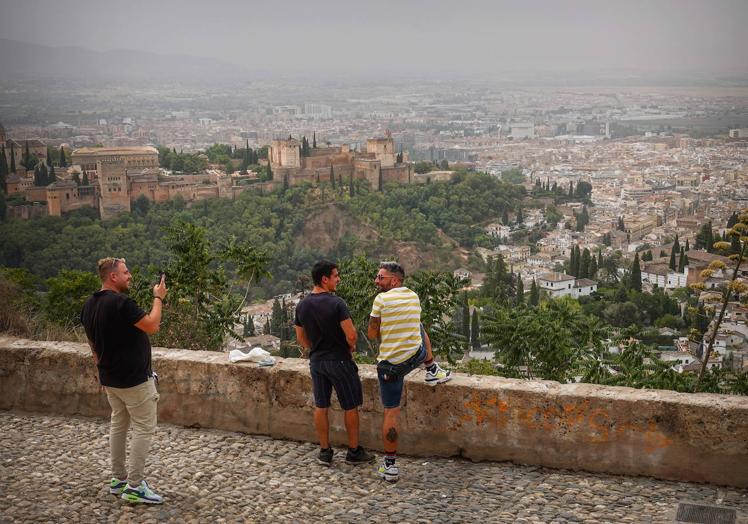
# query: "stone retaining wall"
663 434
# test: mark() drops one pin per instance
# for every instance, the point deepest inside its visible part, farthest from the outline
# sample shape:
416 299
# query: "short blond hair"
107 265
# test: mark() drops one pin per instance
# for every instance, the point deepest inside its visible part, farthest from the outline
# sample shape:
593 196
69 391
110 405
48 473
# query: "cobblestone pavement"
55 469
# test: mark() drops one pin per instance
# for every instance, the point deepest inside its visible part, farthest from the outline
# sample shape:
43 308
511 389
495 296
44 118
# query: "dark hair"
323 268
394 268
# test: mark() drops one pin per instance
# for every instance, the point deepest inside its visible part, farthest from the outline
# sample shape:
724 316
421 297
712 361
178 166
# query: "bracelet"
161 299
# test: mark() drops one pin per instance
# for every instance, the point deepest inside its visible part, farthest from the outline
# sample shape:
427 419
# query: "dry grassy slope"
324 227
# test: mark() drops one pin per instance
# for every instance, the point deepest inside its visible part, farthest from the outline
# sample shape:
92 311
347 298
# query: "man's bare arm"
372 332
350 333
301 338
93 352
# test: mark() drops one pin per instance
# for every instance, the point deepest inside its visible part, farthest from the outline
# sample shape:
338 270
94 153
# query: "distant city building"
318 110
561 285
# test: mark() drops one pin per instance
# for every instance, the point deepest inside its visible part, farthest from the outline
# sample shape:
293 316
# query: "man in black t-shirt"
117 331
324 328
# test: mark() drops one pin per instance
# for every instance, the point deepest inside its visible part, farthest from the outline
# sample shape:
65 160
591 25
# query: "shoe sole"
328 464
438 381
138 500
389 478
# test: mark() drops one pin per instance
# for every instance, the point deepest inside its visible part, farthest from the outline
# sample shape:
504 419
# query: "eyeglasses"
382 277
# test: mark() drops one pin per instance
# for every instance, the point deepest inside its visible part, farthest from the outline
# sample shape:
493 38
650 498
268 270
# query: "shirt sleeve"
131 312
343 312
376 308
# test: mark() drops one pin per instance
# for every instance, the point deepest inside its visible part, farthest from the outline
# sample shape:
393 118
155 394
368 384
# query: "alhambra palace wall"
663 434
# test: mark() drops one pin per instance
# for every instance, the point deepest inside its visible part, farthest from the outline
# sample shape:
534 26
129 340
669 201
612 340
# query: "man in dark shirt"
117 331
324 328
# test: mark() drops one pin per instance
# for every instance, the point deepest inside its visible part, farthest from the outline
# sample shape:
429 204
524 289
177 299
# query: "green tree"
534 294
3 170
12 158
671 264
475 330
520 299
63 162
66 295
3 206
85 179
584 266
635 279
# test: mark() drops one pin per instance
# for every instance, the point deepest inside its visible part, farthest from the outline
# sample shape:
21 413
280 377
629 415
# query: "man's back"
320 314
399 310
124 351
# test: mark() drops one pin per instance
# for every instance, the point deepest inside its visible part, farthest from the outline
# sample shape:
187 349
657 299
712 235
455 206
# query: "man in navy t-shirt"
324 328
117 331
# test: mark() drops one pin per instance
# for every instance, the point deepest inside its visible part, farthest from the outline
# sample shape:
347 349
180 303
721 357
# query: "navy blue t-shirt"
124 351
320 314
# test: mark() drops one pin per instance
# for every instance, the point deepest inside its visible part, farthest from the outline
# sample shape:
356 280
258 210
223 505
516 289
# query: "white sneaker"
141 495
388 473
439 376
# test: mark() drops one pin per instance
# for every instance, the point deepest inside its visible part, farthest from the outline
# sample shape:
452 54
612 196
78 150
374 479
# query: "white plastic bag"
257 354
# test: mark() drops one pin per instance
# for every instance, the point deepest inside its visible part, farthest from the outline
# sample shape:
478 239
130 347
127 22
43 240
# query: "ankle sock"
389 460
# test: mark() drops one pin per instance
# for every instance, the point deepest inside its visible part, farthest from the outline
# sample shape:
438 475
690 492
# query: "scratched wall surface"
662 434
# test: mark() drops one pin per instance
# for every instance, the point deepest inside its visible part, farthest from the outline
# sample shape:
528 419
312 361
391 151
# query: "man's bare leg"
351 427
322 425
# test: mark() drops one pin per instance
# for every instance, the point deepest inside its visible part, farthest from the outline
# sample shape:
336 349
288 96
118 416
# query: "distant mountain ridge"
26 60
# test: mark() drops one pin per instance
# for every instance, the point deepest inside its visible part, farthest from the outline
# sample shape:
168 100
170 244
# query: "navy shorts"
341 375
392 377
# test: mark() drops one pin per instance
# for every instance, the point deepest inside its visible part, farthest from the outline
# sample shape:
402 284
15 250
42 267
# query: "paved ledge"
55 469
663 434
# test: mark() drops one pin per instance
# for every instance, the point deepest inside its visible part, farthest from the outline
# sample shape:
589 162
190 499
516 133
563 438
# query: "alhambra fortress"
115 177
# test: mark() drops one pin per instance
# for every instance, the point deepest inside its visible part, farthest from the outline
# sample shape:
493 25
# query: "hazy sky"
460 37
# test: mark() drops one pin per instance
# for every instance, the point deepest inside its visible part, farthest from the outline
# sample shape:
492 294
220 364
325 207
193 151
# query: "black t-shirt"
320 314
124 351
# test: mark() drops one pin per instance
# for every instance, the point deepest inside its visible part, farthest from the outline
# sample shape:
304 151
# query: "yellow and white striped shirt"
400 329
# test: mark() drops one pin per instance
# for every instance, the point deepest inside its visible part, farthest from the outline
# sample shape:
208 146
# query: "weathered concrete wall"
662 434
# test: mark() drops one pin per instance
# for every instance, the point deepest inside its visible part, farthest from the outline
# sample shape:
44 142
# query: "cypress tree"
51 178
681 261
676 244
520 219
534 294
584 267
505 217
332 176
85 179
710 239
577 262
380 185
571 189
572 261
475 330
12 158
26 158
43 174
688 248
63 161
593 267
465 324
734 245
671 265
314 140
732 220
599 258
636 274
351 190
3 170
520 291
77 179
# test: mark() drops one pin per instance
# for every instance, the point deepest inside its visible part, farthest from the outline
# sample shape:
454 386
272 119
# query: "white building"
562 285
662 276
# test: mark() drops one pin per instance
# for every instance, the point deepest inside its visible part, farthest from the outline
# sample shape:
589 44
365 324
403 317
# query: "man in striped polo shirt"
405 345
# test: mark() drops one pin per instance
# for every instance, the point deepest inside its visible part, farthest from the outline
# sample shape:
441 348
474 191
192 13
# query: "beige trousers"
136 406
